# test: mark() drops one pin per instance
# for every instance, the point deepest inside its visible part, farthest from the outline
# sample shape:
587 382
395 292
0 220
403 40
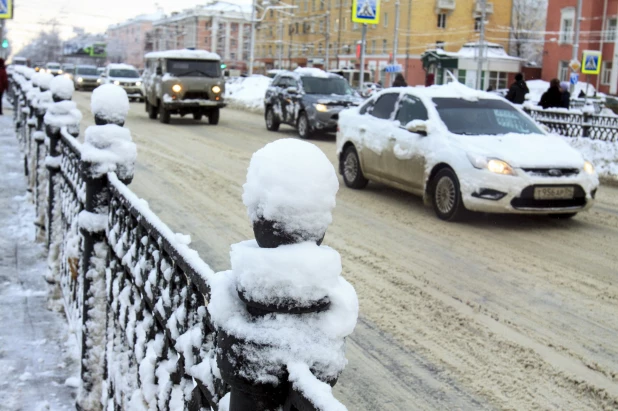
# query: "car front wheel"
304 129
152 110
352 174
164 114
447 202
213 117
272 124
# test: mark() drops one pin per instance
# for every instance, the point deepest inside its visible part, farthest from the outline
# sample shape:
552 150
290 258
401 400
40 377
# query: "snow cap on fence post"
109 104
62 88
284 305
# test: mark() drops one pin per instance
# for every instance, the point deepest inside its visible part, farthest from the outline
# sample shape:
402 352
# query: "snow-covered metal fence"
571 123
156 327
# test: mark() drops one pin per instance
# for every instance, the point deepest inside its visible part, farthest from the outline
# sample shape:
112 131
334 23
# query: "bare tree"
46 46
527 31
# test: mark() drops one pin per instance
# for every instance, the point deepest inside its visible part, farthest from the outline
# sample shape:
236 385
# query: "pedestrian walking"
518 90
566 95
399 81
4 82
553 96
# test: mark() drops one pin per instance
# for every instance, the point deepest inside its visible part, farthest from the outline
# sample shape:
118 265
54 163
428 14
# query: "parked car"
184 82
53 68
86 77
309 99
461 150
125 76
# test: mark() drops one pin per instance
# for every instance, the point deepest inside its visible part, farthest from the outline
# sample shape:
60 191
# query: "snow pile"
602 154
45 80
110 148
247 94
62 87
303 272
110 102
63 113
292 183
320 393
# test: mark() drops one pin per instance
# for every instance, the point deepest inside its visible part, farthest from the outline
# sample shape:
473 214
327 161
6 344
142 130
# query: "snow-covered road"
499 312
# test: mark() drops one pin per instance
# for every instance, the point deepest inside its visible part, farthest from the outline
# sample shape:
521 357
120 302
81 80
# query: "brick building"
127 42
287 41
220 27
597 32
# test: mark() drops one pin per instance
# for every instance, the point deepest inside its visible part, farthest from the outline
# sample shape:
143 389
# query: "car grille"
127 84
527 200
196 95
552 172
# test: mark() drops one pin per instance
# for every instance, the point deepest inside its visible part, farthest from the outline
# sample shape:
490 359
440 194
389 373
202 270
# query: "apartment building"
599 19
220 27
127 42
321 33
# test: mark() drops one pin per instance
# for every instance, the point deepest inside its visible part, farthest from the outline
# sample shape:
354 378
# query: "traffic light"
5 44
223 66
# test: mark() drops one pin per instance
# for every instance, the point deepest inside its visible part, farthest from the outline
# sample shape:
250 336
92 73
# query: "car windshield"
326 85
69 70
127 73
194 68
53 66
87 71
483 117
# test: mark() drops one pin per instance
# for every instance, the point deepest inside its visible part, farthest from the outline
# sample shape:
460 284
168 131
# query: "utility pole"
280 43
327 49
408 37
578 17
2 38
252 46
339 31
361 78
396 40
481 47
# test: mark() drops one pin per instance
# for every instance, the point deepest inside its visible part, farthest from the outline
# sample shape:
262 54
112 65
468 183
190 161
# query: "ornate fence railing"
577 124
140 298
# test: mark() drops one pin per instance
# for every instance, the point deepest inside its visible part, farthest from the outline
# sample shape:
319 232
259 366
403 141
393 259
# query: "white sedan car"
461 150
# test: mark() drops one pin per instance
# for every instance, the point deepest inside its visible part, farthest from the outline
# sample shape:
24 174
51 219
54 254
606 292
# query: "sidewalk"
38 364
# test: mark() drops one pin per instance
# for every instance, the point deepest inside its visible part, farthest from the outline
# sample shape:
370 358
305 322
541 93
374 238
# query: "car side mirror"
417 126
159 71
292 90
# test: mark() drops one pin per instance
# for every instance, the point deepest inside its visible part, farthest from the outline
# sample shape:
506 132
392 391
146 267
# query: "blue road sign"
6 9
366 11
574 78
591 63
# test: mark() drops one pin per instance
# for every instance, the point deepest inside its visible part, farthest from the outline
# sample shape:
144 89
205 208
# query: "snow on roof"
313 72
453 89
183 54
217 8
492 50
139 19
121 66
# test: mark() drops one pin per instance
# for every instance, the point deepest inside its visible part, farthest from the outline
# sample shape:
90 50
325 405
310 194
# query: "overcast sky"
93 15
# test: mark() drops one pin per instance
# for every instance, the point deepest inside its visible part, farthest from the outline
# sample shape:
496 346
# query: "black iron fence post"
586 124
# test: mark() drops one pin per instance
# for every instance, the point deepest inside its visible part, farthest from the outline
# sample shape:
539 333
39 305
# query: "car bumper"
87 84
133 91
327 120
178 104
493 193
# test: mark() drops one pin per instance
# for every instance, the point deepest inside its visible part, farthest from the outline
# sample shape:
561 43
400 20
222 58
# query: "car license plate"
553 193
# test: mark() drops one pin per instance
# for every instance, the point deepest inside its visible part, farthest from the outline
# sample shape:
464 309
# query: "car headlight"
117 82
80 80
139 83
492 164
60 71
98 81
48 71
216 89
321 107
176 88
588 167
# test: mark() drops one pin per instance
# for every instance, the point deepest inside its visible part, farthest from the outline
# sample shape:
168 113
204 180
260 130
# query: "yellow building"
287 38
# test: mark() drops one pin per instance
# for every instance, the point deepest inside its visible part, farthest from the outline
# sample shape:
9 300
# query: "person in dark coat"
518 90
553 96
566 95
4 82
399 81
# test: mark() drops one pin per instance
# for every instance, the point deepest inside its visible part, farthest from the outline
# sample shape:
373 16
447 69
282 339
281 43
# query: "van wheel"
272 123
352 174
197 116
303 126
152 111
213 117
164 115
447 202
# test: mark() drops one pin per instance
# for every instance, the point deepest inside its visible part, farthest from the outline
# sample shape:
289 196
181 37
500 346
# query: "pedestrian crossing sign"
591 62
366 11
6 9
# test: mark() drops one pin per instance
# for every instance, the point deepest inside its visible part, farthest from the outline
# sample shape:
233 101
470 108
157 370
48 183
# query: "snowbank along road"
498 312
